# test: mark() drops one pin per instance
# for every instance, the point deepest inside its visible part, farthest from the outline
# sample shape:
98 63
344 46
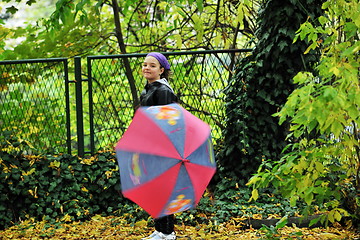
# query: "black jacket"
157 93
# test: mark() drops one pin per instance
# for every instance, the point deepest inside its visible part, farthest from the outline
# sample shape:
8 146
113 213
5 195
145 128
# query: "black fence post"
67 106
79 107
91 111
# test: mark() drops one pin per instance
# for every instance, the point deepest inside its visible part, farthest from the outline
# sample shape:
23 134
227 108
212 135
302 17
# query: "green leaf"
301 77
200 5
11 10
240 15
311 126
322 20
336 128
30 2
293 200
353 112
314 221
283 44
319 167
282 222
309 198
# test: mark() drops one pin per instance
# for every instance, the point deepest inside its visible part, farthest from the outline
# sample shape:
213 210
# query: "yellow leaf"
28 172
334 70
54 164
142 223
88 161
319 166
66 218
13 166
254 195
312 46
337 216
331 216
97 218
240 15
328 236
34 129
108 174
253 180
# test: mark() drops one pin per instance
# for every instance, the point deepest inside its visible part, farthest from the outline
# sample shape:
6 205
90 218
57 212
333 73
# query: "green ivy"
261 85
59 188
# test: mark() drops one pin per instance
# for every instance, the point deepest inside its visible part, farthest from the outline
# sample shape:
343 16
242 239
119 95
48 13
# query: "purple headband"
161 58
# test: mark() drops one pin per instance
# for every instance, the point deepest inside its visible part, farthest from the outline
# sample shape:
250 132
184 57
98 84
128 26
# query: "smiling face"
151 69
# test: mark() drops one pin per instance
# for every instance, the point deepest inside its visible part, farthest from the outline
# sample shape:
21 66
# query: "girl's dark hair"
166 74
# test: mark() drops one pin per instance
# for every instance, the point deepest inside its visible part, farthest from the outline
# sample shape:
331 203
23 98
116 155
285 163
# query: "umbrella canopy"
166 159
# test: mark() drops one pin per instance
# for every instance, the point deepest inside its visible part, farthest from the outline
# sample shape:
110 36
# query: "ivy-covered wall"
261 85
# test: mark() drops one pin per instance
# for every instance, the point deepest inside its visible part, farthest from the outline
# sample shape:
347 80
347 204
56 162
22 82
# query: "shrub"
61 187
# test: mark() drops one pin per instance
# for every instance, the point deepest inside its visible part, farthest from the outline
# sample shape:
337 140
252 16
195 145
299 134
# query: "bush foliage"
64 188
322 167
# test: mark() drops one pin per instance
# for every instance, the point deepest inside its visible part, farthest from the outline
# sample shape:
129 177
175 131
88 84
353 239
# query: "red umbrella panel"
166 159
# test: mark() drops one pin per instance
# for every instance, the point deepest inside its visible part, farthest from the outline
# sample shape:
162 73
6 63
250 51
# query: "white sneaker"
155 233
159 235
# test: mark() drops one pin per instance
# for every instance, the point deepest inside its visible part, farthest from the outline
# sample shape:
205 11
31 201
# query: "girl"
157 91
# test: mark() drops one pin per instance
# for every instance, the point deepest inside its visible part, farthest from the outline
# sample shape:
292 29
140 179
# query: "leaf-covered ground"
118 228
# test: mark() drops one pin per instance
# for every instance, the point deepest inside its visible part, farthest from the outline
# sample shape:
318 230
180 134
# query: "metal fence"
92 111
34 101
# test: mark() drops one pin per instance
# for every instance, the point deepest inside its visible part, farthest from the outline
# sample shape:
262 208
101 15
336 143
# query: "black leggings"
165 224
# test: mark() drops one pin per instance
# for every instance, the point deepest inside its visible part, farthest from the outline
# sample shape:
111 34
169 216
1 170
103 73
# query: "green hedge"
67 188
59 188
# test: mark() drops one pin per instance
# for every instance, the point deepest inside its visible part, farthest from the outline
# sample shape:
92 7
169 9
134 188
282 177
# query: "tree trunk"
120 39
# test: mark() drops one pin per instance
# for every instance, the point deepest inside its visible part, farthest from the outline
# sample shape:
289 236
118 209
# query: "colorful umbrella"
166 159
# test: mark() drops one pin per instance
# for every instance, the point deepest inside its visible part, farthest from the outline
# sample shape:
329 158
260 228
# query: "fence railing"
92 111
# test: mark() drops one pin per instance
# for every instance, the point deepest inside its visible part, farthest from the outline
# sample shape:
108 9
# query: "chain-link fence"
198 78
54 113
34 102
